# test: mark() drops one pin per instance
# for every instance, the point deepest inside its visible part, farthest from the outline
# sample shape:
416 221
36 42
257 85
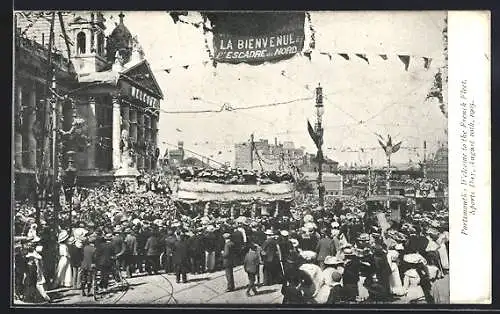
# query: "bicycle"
117 280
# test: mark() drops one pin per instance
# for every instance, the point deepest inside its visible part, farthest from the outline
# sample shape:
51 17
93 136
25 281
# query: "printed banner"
257 37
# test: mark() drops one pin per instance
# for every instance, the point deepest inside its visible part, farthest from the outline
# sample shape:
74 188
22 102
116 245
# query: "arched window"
100 44
81 42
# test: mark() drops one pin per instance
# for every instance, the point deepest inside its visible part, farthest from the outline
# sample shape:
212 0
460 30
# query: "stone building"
437 167
277 156
108 83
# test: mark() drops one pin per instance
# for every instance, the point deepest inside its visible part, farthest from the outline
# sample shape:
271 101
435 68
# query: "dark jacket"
170 244
270 250
104 254
88 256
227 256
336 295
210 241
181 253
118 245
75 255
324 248
285 247
153 246
251 262
130 244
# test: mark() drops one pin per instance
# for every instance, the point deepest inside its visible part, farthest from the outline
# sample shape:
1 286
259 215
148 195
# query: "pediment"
142 74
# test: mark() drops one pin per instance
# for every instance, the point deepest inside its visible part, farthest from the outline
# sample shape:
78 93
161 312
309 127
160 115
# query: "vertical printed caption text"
466 132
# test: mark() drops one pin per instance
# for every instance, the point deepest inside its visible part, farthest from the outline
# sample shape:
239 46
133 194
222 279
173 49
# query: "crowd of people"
339 253
234 176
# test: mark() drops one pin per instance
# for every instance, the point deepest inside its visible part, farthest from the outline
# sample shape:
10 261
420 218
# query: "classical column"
92 132
116 133
125 109
18 140
31 135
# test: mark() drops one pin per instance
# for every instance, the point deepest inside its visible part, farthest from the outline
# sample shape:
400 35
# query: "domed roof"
120 39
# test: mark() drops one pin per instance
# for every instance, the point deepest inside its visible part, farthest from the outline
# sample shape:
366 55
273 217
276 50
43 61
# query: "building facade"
437 167
103 80
272 157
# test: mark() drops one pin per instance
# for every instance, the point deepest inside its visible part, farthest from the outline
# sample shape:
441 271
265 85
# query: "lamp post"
320 110
70 175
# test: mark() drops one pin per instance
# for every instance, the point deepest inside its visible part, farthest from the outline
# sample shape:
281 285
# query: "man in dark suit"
271 258
181 259
119 246
170 241
324 248
88 263
228 257
251 265
104 259
130 255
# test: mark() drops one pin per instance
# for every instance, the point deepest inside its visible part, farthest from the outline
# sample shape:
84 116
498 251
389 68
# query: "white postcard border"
469 55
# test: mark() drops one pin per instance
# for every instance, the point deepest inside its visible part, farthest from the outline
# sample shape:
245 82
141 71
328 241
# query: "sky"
361 99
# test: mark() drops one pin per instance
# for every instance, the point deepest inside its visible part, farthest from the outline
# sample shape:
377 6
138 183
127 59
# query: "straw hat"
399 247
226 235
332 260
269 232
34 255
108 236
36 239
284 233
63 235
308 255
335 225
308 218
414 258
210 228
364 237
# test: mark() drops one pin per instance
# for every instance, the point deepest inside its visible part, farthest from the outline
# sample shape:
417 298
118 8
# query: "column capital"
92 99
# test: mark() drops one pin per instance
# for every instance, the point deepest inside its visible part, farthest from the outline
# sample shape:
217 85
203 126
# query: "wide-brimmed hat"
269 232
348 252
414 258
36 239
108 236
308 255
332 260
63 235
295 242
34 255
210 228
284 233
308 218
399 247
226 235
335 225
364 237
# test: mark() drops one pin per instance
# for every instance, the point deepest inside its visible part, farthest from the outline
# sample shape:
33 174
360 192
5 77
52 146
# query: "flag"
317 138
308 55
185 66
344 55
427 62
396 147
178 130
406 60
363 56
327 54
168 70
384 57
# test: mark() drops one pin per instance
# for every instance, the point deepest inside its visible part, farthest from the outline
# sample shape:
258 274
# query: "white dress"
443 252
64 277
414 291
394 279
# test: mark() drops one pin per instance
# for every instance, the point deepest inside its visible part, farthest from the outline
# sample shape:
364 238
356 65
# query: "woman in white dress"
442 240
394 279
64 276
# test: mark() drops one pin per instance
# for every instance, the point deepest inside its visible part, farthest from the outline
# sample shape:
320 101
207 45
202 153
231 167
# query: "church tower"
87 33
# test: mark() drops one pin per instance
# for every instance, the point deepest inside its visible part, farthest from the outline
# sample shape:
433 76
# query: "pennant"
308 55
327 54
185 66
363 56
384 57
168 70
344 55
406 60
427 62
314 136
396 147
